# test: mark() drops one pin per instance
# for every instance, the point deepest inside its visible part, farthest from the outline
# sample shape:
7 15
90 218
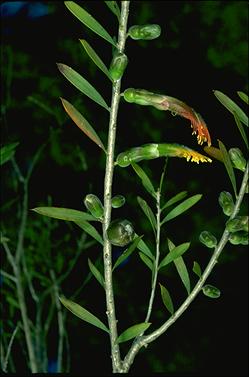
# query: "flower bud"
238 223
120 232
211 291
94 206
239 238
208 239
145 32
237 158
226 202
118 201
118 65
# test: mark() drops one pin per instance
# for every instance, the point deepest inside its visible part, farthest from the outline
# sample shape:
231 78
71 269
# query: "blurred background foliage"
203 46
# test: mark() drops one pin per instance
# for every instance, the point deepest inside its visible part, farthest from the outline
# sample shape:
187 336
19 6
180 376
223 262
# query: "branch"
214 259
107 250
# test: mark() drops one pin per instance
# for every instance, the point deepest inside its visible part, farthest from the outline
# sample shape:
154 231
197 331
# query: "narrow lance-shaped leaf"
113 6
197 269
148 212
96 273
181 195
184 206
82 84
228 166
7 152
174 253
89 21
88 228
81 122
181 268
83 314
145 249
127 252
241 130
146 261
95 58
133 331
167 301
145 179
231 106
64 213
244 97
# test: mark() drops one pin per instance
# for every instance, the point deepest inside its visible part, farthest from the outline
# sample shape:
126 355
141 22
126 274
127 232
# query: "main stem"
107 249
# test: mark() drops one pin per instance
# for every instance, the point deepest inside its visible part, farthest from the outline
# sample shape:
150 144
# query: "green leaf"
82 84
145 179
146 261
83 314
167 299
197 269
174 253
145 249
64 213
7 152
181 268
82 123
184 206
211 291
181 195
231 106
133 331
127 252
95 58
96 273
228 165
241 130
113 6
148 212
88 228
89 21
244 97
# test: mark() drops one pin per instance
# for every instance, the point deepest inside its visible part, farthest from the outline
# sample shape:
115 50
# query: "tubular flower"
177 107
152 151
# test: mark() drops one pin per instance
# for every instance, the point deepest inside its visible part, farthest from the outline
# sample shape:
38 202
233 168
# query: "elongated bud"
120 232
211 291
145 32
226 202
239 238
238 223
94 206
237 158
145 98
208 239
118 65
118 201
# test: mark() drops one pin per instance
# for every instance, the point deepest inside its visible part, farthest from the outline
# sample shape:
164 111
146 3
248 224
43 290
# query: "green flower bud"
238 223
145 32
118 65
208 239
118 201
94 206
239 238
237 158
120 232
226 202
211 291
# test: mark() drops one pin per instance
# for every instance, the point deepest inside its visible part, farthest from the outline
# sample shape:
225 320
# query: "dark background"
203 46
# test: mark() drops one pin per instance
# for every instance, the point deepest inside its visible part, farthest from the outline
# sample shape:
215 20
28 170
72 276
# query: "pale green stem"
107 250
145 340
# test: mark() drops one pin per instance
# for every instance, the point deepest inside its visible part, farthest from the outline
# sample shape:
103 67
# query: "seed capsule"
118 201
211 291
145 32
94 206
237 224
226 202
239 238
120 232
118 65
208 239
237 158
